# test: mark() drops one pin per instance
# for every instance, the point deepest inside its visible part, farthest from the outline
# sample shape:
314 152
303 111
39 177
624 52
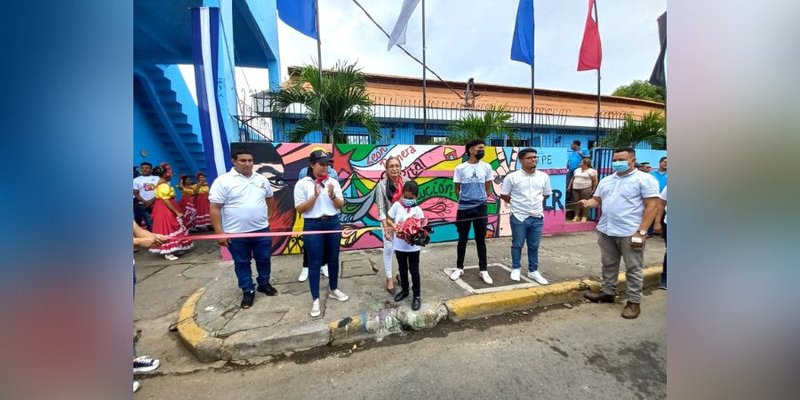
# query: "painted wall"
360 167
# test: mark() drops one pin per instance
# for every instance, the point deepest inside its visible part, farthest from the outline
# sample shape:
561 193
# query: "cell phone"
636 239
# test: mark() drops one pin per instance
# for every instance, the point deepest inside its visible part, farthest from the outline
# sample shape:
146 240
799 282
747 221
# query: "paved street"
587 351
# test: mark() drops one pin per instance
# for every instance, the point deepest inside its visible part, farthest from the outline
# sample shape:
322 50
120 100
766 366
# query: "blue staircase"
165 113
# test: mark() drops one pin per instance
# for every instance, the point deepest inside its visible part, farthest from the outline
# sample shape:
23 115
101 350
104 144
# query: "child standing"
407 254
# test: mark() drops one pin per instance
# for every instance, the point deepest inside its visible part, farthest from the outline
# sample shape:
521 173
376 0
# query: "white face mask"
409 202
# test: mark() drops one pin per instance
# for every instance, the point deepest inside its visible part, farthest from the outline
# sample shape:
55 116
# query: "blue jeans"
318 245
243 250
530 229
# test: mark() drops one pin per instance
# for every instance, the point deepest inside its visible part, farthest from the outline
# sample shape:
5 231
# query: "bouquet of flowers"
414 231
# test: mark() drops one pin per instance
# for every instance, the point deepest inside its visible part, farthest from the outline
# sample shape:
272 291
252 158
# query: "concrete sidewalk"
214 328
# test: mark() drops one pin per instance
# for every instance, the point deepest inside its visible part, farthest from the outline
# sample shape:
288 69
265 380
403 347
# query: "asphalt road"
587 351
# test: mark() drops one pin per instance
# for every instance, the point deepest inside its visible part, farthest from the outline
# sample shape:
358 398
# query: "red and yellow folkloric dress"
165 222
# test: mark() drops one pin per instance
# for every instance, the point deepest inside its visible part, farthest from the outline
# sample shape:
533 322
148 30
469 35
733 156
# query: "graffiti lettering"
441 189
555 201
407 152
377 156
415 169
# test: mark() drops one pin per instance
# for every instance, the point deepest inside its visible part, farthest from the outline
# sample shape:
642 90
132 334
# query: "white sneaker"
338 295
315 308
145 364
537 277
515 273
456 274
135 386
303 275
486 278
325 270
170 257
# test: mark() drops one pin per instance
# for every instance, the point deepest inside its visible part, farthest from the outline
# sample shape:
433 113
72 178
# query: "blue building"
166 122
560 116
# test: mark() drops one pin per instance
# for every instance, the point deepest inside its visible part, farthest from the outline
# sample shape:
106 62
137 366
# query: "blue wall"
146 138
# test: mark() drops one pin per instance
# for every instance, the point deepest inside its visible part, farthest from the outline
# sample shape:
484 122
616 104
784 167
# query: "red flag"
591 51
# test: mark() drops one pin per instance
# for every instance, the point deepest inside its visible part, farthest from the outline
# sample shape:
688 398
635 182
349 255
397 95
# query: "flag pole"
424 78
319 63
597 124
533 86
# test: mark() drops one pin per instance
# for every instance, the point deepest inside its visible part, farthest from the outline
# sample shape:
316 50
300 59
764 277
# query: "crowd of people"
241 202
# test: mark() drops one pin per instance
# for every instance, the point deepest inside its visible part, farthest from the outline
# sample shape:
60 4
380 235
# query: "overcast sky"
472 38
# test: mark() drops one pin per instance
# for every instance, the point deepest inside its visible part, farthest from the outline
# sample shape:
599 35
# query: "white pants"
388 252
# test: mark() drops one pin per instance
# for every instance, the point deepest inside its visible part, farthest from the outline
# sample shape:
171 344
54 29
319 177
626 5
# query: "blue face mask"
619 166
409 202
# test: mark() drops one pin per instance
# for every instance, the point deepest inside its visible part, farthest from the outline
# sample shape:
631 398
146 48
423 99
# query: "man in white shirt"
629 201
144 192
526 190
239 205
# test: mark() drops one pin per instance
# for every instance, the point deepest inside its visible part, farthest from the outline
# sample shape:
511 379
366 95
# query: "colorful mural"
360 167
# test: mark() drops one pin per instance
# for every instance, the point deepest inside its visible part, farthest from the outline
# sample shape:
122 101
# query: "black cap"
318 156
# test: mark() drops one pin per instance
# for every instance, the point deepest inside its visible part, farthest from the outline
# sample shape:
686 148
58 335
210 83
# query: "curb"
378 324
486 304
204 346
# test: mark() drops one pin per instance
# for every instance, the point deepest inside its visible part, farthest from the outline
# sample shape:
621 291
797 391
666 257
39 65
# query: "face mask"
409 202
619 166
479 154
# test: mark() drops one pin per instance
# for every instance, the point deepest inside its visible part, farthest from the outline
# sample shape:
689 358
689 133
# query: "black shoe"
400 295
267 289
247 298
415 304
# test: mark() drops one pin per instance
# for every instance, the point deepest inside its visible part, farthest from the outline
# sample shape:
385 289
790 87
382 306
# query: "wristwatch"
642 232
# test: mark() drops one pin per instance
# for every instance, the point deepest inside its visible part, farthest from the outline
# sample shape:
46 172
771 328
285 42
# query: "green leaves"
642 90
342 100
652 128
494 120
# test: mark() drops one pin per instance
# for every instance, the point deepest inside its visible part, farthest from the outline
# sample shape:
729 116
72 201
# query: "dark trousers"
664 270
325 255
243 250
408 262
316 245
141 212
479 226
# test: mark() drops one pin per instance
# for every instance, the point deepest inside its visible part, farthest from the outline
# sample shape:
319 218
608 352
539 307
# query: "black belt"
322 218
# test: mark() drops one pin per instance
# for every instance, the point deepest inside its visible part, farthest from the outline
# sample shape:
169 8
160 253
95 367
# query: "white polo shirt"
623 202
304 190
243 199
527 193
146 185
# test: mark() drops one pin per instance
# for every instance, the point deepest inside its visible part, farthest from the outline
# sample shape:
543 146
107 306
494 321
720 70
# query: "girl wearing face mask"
388 191
407 254
168 216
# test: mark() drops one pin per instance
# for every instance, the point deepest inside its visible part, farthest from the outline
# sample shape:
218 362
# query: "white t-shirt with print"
473 178
399 213
146 185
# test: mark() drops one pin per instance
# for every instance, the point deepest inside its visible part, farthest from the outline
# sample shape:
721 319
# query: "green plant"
342 100
652 128
495 119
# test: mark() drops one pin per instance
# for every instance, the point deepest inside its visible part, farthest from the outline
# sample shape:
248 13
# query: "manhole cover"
359 267
472 281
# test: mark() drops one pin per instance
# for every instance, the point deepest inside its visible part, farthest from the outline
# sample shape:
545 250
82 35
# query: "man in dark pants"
239 205
144 195
473 183
661 228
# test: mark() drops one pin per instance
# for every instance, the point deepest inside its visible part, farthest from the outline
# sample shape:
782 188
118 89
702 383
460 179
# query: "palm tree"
495 119
343 100
652 129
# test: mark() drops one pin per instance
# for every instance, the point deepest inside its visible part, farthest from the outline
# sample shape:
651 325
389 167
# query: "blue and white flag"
522 45
205 49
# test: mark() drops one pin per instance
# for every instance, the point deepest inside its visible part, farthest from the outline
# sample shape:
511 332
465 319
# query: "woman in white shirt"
319 198
387 192
582 185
